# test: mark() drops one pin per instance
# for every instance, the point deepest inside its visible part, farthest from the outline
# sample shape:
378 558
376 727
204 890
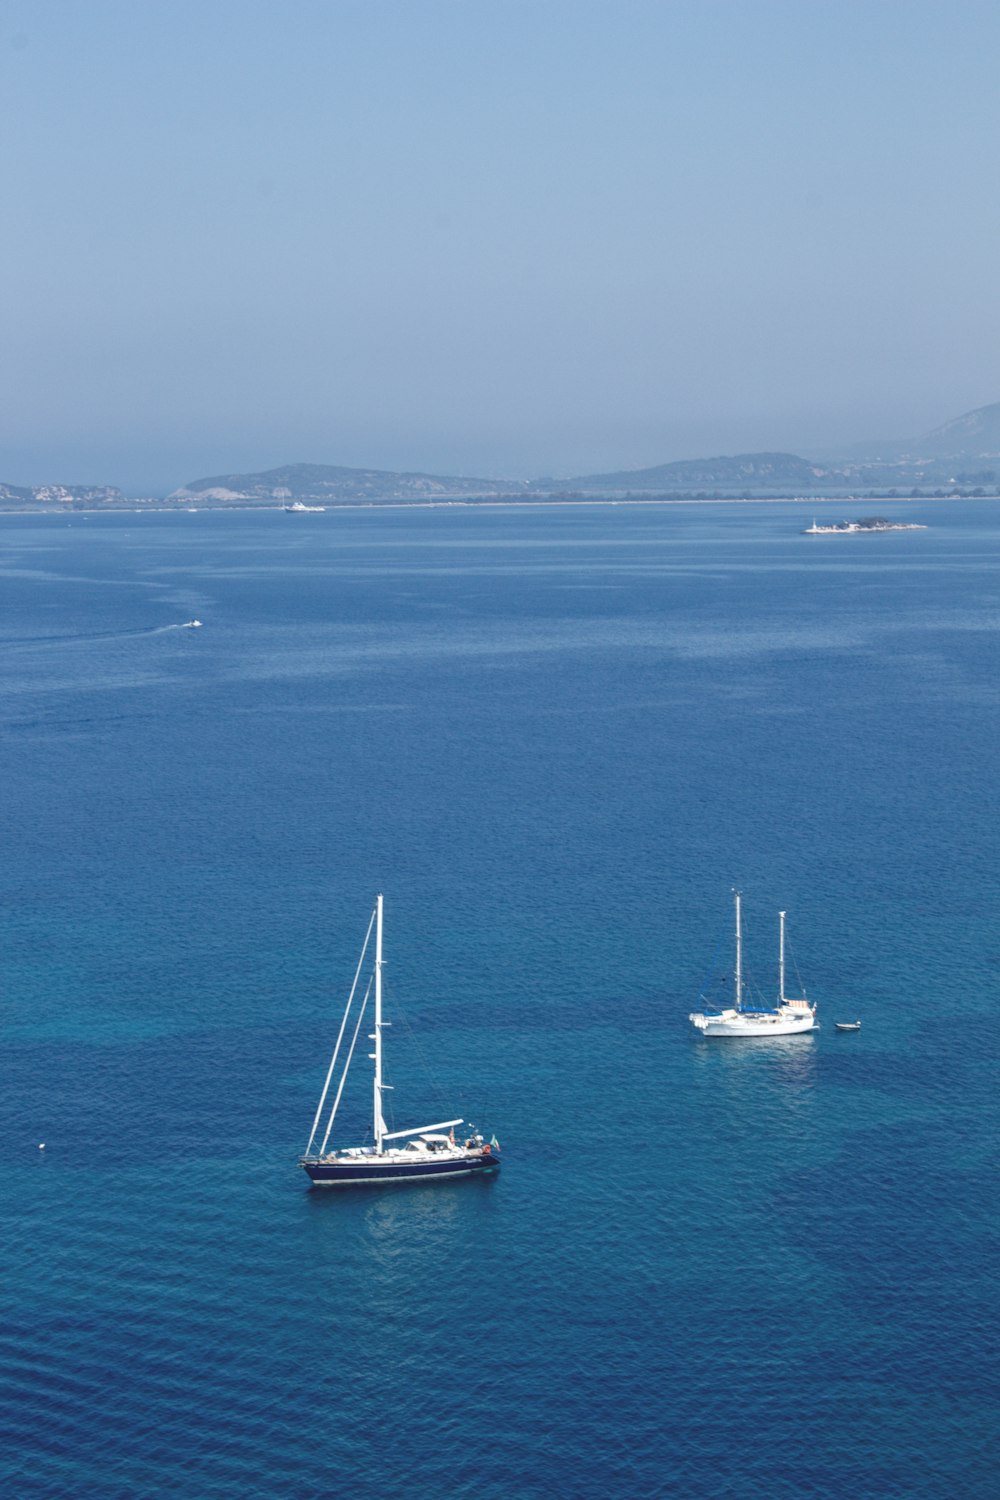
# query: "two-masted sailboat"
422 1152
788 1017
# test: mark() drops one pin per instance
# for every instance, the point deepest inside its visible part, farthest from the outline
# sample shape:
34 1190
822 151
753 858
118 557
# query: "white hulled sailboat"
419 1153
786 1019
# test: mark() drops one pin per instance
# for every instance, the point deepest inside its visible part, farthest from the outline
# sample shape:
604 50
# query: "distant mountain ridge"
975 435
965 451
753 469
968 439
331 482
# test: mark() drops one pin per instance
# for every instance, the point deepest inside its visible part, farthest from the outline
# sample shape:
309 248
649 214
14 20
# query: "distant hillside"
974 436
80 496
962 453
971 441
332 485
742 471
737 474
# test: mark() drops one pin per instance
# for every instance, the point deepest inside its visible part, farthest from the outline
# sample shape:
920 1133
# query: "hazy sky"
509 237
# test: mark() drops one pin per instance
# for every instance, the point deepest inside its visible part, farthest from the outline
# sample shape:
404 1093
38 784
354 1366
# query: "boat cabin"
430 1143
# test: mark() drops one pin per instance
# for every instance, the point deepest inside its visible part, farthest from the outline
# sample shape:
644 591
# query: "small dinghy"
847 1025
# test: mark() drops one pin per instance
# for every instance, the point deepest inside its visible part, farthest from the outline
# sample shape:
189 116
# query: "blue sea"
555 739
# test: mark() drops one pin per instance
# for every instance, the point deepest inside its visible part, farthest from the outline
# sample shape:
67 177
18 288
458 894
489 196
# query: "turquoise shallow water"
555 739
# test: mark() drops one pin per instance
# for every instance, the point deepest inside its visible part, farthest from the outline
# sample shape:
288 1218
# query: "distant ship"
421 1153
787 1018
872 523
301 509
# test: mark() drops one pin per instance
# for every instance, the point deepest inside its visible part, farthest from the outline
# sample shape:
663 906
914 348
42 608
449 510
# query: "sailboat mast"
379 1123
781 958
739 955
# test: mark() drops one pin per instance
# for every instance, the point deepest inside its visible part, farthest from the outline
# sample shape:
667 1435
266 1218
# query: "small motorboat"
847 1025
191 625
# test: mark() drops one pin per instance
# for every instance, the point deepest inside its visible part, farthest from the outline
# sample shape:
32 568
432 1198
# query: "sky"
489 237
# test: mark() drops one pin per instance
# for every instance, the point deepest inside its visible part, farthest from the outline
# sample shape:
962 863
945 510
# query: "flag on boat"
494 1143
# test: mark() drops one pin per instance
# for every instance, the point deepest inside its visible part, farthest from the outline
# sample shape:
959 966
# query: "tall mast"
781 958
739 955
379 1123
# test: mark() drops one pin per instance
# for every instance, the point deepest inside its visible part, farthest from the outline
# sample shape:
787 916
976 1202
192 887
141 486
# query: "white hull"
734 1023
853 528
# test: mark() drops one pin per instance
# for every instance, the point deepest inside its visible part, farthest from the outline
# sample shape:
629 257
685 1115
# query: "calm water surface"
555 739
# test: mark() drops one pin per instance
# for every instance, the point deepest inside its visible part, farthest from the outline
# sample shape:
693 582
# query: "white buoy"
41 1145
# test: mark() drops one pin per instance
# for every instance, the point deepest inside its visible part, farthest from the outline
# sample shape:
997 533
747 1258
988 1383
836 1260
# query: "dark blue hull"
366 1172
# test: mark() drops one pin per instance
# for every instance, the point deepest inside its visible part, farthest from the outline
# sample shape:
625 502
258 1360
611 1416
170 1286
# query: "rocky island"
870 523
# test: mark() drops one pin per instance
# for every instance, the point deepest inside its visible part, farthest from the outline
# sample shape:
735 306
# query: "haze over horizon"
502 240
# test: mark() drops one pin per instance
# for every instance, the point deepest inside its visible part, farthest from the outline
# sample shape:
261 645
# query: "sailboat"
787 1018
422 1152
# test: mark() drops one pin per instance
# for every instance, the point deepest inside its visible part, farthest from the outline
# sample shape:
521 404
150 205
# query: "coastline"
160 507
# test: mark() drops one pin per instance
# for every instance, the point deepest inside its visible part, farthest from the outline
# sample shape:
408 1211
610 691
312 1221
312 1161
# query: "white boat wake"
99 635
